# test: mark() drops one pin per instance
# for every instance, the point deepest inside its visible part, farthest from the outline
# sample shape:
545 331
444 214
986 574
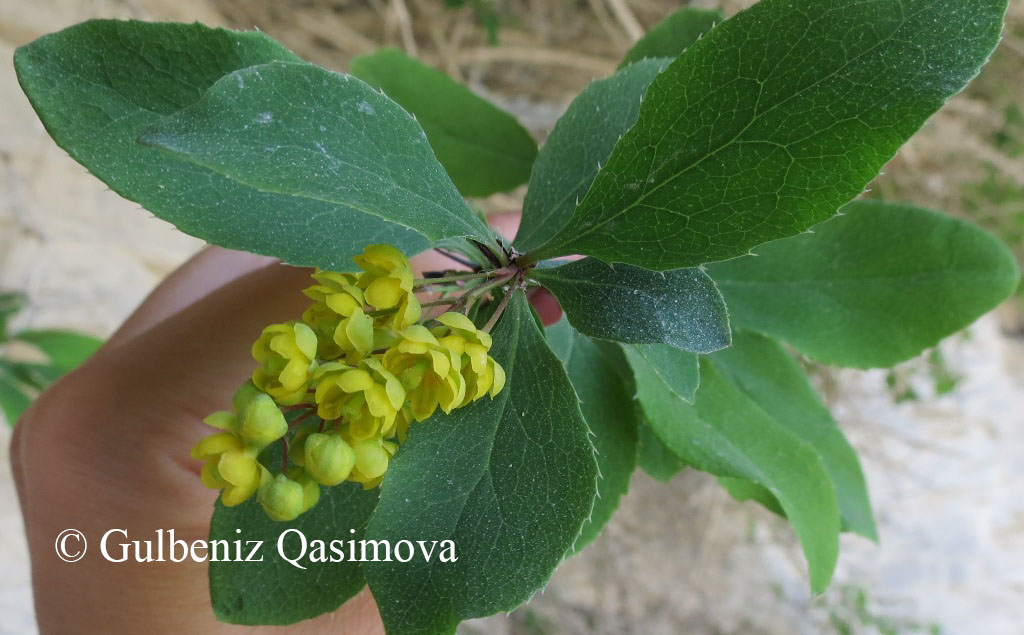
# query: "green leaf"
65 349
771 122
654 458
97 85
14 399
581 141
10 305
727 434
319 137
561 339
275 591
633 305
677 370
768 375
743 490
36 376
871 288
673 35
483 149
601 377
510 480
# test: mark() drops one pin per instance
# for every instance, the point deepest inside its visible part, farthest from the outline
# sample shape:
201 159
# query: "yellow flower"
402 423
367 396
428 372
409 311
388 275
354 336
287 353
256 421
230 457
462 327
388 283
241 472
481 372
337 290
372 459
373 370
228 465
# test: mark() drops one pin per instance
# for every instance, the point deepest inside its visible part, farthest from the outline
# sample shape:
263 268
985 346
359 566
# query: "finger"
108 449
546 305
208 270
506 224
128 418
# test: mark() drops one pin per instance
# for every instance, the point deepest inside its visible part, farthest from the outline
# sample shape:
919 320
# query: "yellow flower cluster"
230 458
362 362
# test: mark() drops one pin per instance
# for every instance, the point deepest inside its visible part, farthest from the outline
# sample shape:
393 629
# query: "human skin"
108 447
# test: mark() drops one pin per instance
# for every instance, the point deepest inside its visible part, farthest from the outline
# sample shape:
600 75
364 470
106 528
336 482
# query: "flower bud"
310 489
245 393
262 422
327 458
371 458
282 498
297 446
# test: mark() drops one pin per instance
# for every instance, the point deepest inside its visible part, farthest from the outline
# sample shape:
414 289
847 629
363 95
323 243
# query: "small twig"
627 19
482 289
492 54
1014 43
404 26
498 311
605 20
333 29
284 456
462 277
299 420
381 312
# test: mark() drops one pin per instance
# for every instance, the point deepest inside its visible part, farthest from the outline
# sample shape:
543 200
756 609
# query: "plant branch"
497 312
380 312
426 282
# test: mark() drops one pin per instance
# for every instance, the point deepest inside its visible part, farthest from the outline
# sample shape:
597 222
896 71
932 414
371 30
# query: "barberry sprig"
363 363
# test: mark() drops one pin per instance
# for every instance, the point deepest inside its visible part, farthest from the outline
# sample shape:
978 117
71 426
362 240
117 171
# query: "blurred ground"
946 471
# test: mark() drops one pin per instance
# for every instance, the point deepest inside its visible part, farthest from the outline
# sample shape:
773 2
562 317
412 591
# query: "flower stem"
501 309
426 282
474 293
481 290
299 420
380 312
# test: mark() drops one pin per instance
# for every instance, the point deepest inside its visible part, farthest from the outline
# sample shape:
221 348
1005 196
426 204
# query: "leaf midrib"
189 159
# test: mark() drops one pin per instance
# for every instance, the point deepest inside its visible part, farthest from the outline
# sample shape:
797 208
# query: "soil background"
946 471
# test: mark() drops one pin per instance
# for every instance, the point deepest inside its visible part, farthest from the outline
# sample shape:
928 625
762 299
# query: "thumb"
107 448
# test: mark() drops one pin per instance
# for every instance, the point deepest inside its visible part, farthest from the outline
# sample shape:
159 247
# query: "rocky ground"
945 471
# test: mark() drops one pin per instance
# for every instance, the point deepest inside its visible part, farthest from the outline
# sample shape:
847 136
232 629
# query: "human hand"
108 447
